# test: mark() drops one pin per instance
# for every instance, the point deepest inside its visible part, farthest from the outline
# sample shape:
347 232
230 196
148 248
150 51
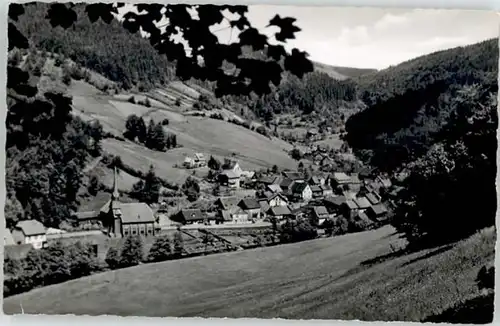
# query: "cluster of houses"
290 195
198 160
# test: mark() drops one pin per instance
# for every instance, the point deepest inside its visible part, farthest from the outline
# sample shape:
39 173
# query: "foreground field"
335 278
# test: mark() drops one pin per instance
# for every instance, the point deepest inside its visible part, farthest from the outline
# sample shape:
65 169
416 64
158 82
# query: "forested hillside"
435 117
108 49
409 104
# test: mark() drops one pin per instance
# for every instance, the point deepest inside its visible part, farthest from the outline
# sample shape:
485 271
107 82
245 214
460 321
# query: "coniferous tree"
131 252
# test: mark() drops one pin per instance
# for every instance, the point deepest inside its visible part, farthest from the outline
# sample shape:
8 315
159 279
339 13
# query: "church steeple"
115 195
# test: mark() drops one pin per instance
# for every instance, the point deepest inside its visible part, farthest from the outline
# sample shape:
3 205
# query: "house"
334 204
274 199
294 176
30 232
270 180
317 192
232 165
373 197
189 163
251 207
320 214
123 219
349 209
190 216
200 160
377 212
274 188
286 185
327 190
317 179
239 215
302 191
340 179
279 212
230 179
362 203
225 203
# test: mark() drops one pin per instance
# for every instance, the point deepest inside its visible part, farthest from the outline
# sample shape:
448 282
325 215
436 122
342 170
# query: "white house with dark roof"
30 232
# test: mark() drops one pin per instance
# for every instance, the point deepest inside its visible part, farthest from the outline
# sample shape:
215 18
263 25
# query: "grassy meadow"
333 278
194 134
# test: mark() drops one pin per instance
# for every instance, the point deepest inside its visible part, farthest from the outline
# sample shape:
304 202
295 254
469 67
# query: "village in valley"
243 179
254 204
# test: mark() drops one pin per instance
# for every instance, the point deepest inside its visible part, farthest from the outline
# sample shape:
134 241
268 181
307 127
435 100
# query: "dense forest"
108 49
409 104
435 118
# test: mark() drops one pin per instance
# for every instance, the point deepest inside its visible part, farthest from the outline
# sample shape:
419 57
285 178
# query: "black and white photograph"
251 161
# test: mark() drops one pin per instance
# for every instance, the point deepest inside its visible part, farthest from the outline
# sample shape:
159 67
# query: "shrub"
131 99
131 252
165 122
178 102
113 258
178 244
160 250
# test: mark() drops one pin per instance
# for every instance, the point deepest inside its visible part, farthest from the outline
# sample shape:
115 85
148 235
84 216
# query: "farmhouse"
225 203
320 214
334 204
286 185
373 198
230 179
251 207
267 180
123 219
377 212
350 209
274 188
30 232
362 203
317 179
200 160
294 176
302 191
239 215
317 191
232 165
190 216
327 190
279 212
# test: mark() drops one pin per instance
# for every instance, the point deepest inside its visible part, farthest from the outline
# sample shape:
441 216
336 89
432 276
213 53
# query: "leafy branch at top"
188 41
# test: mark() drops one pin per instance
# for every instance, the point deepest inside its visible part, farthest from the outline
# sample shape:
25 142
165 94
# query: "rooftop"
31 227
136 213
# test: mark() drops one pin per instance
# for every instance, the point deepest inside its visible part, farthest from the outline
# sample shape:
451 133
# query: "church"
123 219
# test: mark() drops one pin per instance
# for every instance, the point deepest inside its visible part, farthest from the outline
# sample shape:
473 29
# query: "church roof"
136 213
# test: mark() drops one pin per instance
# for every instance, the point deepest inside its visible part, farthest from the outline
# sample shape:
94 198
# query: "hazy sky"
372 37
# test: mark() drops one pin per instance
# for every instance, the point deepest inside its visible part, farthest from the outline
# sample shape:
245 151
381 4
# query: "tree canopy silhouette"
188 40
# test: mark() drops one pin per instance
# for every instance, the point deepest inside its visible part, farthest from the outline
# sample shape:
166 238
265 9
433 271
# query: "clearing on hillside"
334 278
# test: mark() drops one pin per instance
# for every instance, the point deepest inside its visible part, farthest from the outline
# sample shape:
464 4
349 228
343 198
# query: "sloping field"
320 279
195 134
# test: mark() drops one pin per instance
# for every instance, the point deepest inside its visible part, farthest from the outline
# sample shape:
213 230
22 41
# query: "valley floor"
333 278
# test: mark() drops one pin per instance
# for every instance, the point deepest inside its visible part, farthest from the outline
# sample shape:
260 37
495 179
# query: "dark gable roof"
279 211
299 187
335 201
286 182
227 202
230 174
293 175
31 227
136 213
320 210
379 209
191 215
249 203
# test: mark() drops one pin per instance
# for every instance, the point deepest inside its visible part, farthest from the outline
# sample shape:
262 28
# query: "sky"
373 37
